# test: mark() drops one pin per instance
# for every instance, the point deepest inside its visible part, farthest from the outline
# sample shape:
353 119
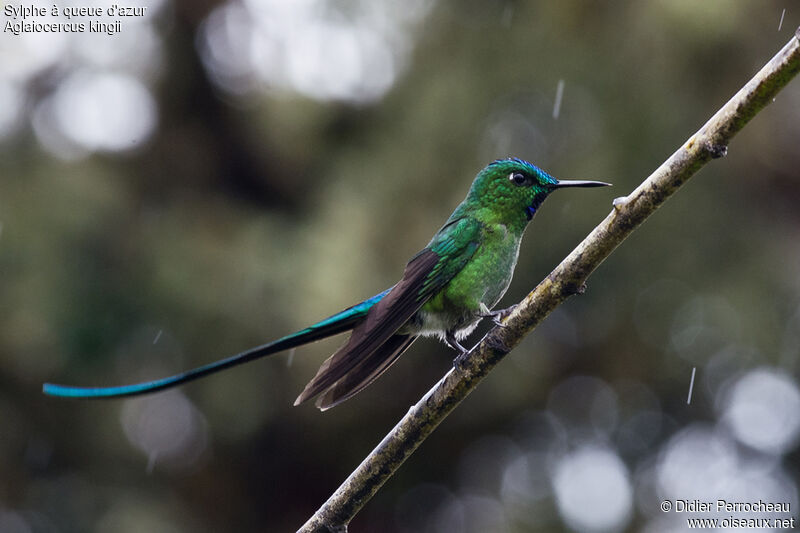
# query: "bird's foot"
496 316
461 359
460 362
451 341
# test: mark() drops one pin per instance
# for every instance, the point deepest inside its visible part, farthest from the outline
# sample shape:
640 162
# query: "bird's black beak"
579 183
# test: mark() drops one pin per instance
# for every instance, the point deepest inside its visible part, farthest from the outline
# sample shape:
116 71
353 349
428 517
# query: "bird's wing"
365 373
426 274
338 323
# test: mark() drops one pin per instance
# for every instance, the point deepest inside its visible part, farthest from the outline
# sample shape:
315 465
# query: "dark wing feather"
366 372
381 322
363 355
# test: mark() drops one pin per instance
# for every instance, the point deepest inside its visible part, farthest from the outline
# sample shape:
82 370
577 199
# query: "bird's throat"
537 201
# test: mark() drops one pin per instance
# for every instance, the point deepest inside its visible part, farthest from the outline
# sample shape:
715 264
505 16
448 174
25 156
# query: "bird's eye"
518 178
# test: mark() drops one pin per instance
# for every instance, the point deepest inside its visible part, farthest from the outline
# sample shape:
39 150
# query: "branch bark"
568 278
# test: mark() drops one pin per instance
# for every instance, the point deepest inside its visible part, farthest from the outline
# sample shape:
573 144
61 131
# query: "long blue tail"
338 323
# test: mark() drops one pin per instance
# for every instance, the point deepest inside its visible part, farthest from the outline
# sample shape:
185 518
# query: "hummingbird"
445 291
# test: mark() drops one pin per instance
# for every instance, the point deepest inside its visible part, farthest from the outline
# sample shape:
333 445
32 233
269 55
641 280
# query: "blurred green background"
219 174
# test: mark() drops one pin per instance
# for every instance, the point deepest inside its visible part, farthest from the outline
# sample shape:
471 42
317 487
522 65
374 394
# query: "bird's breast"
483 280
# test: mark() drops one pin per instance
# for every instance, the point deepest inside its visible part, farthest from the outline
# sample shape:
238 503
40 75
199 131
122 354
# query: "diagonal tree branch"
566 279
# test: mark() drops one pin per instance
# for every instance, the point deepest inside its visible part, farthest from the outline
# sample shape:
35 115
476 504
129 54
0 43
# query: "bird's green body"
483 279
446 289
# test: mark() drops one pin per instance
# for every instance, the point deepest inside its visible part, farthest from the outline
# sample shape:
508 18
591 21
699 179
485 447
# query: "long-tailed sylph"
446 289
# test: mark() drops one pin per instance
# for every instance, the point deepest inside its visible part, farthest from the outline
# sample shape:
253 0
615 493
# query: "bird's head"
513 188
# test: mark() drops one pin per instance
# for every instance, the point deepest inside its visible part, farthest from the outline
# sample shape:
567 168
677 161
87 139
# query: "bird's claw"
496 320
451 341
460 362
496 316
